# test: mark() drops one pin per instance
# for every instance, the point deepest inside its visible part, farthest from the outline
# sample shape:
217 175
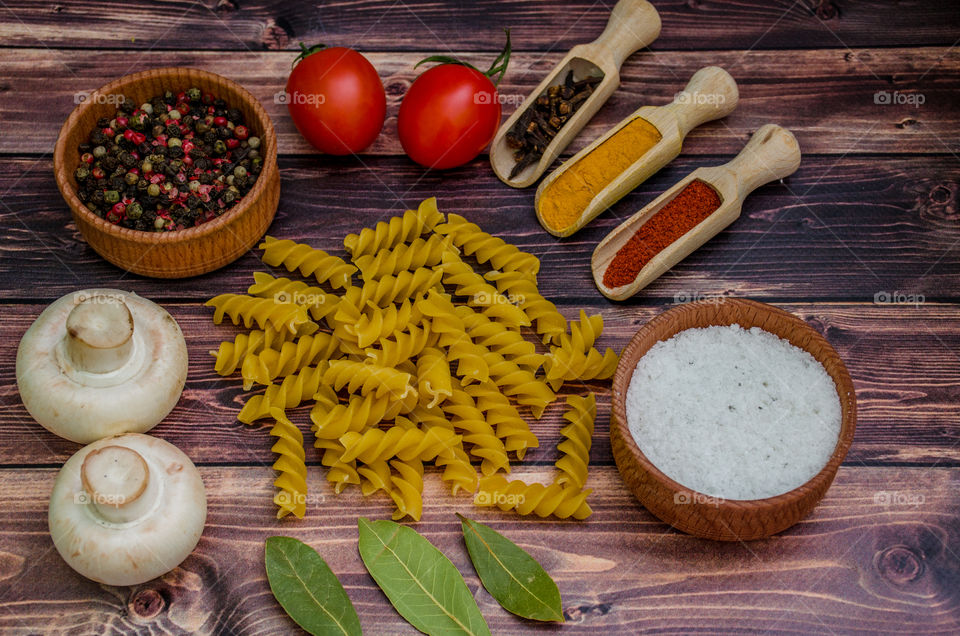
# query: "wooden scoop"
710 94
633 24
772 153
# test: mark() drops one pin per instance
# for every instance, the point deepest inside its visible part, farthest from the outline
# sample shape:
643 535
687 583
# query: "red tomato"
336 100
448 116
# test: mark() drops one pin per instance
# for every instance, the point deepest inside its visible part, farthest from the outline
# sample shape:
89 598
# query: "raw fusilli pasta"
433 377
377 444
283 290
291 496
547 320
577 438
560 501
366 378
487 248
309 261
231 353
265 312
405 256
399 229
286 395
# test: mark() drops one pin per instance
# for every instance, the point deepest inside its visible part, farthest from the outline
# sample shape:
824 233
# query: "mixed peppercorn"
174 162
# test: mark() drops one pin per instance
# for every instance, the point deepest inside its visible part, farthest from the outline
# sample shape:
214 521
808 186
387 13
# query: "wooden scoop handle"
772 153
710 94
633 24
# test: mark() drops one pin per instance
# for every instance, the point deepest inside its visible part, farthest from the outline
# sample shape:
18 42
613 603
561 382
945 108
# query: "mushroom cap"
81 397
169 522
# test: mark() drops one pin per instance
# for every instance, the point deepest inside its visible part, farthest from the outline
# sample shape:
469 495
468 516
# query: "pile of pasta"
423 360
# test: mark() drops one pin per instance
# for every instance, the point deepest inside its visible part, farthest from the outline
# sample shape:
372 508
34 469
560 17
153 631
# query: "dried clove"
540 122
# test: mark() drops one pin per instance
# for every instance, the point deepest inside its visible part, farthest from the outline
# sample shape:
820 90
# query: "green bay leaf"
420 581
510 574
307 588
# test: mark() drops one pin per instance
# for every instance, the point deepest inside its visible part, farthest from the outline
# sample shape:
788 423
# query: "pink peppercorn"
220 121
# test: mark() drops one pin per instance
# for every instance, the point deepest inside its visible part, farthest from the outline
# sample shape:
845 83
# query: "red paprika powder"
681 214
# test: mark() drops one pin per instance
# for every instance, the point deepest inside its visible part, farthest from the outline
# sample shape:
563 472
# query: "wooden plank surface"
827 97
903 361
388 25
842 228
877 556
871 214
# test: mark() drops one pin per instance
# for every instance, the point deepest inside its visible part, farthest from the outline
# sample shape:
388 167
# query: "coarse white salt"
733 413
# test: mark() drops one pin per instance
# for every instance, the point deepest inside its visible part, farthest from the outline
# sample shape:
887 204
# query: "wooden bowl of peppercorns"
170 172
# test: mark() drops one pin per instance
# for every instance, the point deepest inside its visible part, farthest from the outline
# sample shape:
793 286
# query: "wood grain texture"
877 556
826 97
840 229
415 24
902 360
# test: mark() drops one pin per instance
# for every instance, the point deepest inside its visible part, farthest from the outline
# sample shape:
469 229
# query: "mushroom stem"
117 483
99 334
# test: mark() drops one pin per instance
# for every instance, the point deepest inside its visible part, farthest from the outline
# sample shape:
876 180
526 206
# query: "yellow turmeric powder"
568 196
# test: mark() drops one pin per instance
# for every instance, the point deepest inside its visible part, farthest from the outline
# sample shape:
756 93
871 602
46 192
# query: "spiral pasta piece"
405 256
340 474
399 229
519 383
560 501
407 491
231 353
503 416
370 323
374 477
265 312
332 420
291 482
284 290
466 417
565 364
546 318
403 345
366 378
494 336
480 293
404 443
434 382
487 248
309 261
577 438
458 472
403 286
270 364
286 395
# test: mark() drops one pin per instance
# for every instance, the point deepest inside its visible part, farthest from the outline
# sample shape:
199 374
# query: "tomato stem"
305 51
498 68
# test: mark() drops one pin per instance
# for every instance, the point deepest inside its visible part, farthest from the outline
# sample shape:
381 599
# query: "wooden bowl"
180 253
696 513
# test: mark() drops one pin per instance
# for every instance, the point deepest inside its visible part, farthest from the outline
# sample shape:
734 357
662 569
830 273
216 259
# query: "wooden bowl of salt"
710 515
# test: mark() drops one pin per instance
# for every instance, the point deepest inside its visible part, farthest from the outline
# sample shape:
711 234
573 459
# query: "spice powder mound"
564 200
681 214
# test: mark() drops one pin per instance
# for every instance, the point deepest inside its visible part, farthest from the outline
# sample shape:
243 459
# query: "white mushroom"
127 509
101 362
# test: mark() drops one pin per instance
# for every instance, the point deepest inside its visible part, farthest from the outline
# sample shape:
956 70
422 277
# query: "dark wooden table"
863 242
